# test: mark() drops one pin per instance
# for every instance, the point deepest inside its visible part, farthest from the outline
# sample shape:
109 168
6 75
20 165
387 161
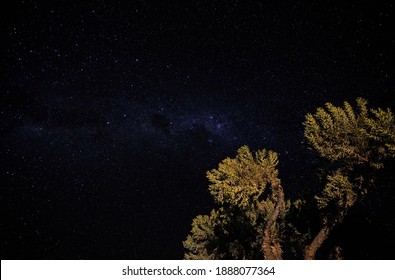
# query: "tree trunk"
271 247
322 235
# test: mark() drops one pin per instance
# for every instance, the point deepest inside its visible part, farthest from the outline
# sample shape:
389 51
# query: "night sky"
111 112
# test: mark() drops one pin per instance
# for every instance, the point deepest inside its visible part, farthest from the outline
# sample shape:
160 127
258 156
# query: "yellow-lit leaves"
338 194
241 181
199 243
381 129
338 133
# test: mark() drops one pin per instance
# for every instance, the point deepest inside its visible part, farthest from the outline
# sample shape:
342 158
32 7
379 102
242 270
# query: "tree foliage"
241 181
252 220
362 137
201 243
357 143
247 189
337 196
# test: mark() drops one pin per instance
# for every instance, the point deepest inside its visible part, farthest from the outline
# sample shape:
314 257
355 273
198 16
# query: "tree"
252 221
356 145
341 135
251 200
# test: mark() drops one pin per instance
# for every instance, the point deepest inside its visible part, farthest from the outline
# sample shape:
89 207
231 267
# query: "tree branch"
271 246
311 249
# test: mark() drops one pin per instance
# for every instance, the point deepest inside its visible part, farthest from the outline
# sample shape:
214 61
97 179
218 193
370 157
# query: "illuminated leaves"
200 243
250 222
241 181
339 133
246 188
338 195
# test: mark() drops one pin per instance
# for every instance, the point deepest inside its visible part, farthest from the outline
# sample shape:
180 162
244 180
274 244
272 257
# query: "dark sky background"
112 111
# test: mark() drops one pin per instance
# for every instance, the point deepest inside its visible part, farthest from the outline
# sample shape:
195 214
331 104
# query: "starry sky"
112 111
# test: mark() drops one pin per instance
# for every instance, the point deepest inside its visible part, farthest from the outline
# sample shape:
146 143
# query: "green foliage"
200 244
250 222
244 187
241 181
381 130
337 197
358 143
223 234
340 133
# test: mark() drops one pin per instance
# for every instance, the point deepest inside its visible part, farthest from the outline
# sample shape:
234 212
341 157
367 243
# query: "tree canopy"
362 137
249 193
254 220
